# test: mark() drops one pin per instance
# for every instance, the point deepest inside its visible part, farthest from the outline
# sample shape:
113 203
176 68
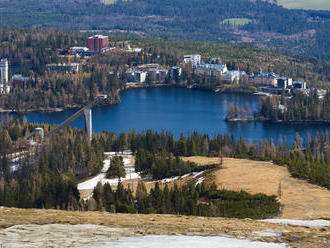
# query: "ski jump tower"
87 111
88 123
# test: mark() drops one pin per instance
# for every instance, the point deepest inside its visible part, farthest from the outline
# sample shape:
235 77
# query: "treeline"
307 158
200 200
48 177
62 91
30 50
299 108
164 165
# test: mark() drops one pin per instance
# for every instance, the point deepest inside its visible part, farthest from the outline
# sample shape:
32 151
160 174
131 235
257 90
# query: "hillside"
299 199
21 227
298 32
306 4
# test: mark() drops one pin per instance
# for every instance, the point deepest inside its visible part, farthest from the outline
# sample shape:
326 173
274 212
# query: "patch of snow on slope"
307 223
199 181
129 169
268 233
185 242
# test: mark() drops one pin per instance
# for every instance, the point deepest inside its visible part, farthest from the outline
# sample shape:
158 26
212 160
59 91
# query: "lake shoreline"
278 121
129 86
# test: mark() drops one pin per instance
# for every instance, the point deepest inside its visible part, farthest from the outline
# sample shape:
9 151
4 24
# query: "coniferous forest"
29 51
201 200
48 177
300 32
299 108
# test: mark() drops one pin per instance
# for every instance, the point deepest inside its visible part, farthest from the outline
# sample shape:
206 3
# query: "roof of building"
79 48
99 36
267 75
216 67
236 73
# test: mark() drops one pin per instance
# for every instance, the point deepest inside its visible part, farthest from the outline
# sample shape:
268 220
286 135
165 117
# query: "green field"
306 4
237 21
108 1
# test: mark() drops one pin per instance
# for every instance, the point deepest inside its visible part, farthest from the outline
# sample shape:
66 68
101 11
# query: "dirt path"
301 200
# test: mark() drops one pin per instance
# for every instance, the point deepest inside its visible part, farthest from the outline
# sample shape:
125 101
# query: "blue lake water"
180 111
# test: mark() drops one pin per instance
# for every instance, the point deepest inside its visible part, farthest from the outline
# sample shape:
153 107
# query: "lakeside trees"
300 107
30 51
49 180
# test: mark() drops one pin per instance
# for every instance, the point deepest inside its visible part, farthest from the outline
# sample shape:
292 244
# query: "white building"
133 49
4 86
233 76
78 49
299 85
284 82
140 76
136 76
267 79
4 89
214 70
4 71
194 59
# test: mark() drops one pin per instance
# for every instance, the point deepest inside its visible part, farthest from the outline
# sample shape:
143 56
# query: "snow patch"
167 180
306 223
129 169
199 181
171 179
196 174
185 242
268 233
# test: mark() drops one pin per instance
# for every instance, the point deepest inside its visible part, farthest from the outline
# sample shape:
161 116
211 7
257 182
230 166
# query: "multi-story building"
18 81
233 76
153 74
299 85
176 72
78 50
136 76
4 86
194 59
210 70
4 71
163 74
140 76
265 79
133 49
66 68
284 82
98 42
130 75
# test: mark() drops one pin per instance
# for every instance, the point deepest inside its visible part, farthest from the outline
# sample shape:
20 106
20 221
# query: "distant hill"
258 23
306 4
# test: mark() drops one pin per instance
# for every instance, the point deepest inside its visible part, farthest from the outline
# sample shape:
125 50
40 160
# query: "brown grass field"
137 225
300 199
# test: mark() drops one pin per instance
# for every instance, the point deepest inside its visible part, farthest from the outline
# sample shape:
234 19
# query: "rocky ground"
54 228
